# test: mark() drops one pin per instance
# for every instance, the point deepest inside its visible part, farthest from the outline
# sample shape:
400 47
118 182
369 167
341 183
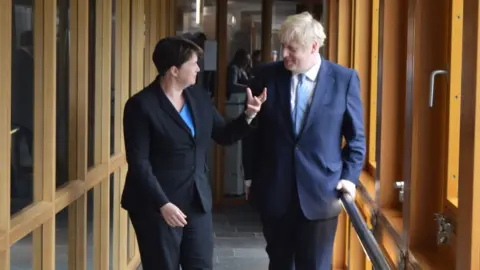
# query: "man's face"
298 58
257 59
187 73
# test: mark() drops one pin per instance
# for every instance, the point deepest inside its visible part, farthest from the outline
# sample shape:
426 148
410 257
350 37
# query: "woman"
168 127
237 76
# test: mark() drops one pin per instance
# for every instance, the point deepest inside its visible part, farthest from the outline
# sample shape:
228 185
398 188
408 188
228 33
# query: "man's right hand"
173 215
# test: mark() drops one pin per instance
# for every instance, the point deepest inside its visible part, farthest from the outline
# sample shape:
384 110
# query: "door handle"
432 84
13 131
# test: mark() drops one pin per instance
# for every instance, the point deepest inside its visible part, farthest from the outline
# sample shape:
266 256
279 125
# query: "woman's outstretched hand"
254 104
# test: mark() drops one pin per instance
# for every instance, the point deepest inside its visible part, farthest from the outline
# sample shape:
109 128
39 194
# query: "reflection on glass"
280 12
22 111
129 233
61 240
90 206
112 105
196 21
91 82
243 23
112 185
21 253
63 48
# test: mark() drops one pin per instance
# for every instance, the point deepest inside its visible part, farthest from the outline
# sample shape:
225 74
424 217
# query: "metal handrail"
367 240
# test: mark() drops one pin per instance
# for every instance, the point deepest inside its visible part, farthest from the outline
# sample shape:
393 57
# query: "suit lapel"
168 107
324 85
283 85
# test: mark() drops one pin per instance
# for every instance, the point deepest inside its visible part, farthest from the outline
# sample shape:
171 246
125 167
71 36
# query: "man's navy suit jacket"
275 158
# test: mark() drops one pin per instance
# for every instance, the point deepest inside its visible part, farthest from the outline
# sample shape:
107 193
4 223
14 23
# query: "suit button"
296 147
193 168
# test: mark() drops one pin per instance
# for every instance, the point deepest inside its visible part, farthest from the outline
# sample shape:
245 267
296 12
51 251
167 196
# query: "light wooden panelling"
373 89
455 26
5 129
332 30
122 87
344 54
39 217
137 58
436 43
468 218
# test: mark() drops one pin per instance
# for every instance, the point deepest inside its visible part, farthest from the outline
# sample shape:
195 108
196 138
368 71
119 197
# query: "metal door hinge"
444 229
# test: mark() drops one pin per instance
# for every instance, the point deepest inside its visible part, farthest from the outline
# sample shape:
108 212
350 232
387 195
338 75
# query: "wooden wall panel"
332 31
343 58
468 219
39 217
5 129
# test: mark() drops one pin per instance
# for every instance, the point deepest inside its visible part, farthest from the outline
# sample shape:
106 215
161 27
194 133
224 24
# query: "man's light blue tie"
301 104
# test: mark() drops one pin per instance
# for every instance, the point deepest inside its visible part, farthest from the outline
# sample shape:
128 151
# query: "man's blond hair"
302 29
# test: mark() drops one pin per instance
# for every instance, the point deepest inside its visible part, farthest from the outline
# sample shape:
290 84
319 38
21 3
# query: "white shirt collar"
312 73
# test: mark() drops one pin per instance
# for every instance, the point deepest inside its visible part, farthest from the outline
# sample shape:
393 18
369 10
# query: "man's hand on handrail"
347 187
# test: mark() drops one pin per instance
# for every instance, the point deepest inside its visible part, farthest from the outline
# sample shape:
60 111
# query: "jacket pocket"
334 166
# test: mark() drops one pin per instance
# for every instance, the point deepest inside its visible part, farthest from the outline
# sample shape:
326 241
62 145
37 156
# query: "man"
298 167
274 55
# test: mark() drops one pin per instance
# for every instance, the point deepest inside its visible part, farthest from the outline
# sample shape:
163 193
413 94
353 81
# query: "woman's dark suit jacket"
165 162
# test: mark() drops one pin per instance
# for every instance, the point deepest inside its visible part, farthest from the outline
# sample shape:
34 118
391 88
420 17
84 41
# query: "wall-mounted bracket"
444 229
400 185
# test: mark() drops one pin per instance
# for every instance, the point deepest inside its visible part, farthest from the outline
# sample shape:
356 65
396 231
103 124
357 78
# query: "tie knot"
301 77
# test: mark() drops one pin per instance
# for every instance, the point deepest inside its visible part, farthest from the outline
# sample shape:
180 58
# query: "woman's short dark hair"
173 51
241 57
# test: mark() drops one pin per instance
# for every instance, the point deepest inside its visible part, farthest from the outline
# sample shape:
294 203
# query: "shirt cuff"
249 118
248 183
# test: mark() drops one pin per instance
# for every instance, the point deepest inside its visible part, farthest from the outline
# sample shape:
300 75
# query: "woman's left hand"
254 104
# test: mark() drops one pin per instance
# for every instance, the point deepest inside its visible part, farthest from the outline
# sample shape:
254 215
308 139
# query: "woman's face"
247 61
187 73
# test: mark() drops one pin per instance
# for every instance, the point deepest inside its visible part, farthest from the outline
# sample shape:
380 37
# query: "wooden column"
332 31
45 132
77 210
344 59
267 8
220 95
468 220
5 127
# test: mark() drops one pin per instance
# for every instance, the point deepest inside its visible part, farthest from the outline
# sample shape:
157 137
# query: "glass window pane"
22 110
113 180
243 23
196 20
112 108
91 83
63 95
281 10
21 253
90 229
61 240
